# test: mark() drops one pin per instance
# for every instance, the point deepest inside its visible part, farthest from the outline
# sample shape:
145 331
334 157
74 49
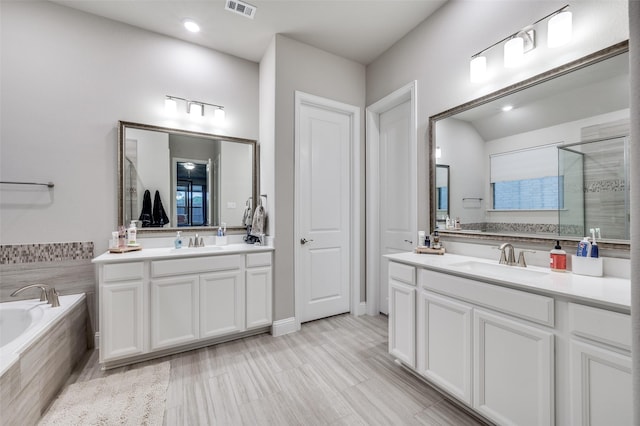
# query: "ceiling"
360 30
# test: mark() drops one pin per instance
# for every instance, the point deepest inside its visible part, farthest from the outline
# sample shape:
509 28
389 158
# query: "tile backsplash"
45 252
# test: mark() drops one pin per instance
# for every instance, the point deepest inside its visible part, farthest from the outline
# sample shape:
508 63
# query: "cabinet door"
174 311
121 320
402 322
444 343
258 307
221 303
512 371
600 386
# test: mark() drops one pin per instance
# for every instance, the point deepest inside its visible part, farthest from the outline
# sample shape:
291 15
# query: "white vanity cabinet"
513 372
514 356
258 290
164 304
444 343
600 366
402 312
122 316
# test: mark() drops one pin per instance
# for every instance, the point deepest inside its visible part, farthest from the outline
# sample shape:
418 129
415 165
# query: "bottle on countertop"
122 237
132 234
558 258
178 241
421 235
435 241
584 248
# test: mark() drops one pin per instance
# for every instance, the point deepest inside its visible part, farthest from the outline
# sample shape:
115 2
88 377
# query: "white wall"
437 54
67 78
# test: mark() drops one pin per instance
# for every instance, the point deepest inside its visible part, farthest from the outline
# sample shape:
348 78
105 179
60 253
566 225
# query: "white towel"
247 218
258 224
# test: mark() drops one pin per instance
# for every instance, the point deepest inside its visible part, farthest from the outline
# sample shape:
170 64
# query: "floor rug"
132 397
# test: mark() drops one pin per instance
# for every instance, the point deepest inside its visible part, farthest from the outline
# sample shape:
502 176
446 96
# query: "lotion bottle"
178 241
131 234
558 258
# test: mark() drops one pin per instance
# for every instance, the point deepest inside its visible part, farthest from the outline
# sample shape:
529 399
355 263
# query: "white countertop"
607 292
173 253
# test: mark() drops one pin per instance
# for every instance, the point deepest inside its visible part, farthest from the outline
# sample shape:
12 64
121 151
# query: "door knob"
304 241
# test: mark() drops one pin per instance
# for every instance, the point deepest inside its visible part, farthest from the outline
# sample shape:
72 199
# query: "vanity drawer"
194 265
521 304
258 259
403 273
123 271
605 326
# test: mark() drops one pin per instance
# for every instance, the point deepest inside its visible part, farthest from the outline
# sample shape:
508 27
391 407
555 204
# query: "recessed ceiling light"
190 25
507 108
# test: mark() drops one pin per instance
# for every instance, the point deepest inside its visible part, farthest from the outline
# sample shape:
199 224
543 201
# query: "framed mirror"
171 179
509 154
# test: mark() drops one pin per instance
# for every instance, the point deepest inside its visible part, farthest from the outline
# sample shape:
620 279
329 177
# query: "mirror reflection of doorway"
192 193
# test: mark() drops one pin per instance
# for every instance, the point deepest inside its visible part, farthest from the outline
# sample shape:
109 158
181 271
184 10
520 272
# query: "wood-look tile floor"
335 371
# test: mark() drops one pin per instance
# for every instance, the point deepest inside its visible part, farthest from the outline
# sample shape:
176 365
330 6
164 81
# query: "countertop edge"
165 254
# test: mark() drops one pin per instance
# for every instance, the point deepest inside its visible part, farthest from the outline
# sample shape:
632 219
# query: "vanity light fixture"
191 25
194 108
559 28
523 41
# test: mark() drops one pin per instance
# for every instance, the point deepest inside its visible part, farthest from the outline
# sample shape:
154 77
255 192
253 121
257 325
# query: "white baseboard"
284 326
361 309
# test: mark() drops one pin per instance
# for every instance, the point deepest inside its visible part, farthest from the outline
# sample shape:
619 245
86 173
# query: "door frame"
372 178
302 99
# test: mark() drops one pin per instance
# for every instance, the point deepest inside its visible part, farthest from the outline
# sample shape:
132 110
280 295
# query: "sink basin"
497 270
206 249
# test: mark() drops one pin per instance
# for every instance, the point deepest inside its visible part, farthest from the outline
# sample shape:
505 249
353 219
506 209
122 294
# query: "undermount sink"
497 270
206 249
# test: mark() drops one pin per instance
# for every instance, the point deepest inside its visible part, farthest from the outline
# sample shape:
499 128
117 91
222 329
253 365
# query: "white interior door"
397 171
323 189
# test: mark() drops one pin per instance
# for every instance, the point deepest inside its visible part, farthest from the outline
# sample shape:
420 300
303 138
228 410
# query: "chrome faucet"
509 259
47 294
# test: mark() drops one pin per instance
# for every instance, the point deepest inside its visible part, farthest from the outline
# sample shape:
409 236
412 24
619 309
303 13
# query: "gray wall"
67 77
301 67
437 54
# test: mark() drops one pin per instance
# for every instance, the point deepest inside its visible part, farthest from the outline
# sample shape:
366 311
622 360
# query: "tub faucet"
47 294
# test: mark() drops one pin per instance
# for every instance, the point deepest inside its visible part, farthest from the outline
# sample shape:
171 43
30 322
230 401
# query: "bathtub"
24 322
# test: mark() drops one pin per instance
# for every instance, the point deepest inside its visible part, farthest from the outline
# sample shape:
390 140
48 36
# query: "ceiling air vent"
241 8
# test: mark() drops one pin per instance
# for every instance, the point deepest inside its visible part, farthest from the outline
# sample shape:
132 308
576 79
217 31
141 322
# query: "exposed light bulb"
559 29
513 52
478 69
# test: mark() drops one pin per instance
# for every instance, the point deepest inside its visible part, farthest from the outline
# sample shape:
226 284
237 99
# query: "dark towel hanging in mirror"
146 216
159 215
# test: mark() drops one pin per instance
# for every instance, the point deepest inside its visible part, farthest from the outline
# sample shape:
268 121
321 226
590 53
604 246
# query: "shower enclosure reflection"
595 185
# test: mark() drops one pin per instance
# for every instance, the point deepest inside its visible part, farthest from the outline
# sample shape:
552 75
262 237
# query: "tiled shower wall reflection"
65 266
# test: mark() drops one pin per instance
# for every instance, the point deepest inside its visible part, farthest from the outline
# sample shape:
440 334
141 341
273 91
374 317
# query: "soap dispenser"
178 242
558 258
